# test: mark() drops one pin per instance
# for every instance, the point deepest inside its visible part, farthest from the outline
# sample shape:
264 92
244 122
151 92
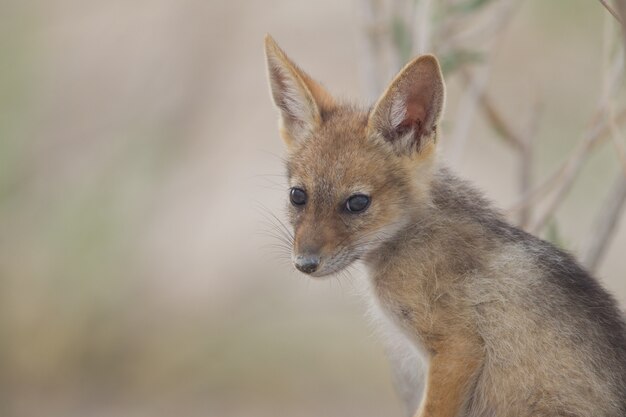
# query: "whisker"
276 224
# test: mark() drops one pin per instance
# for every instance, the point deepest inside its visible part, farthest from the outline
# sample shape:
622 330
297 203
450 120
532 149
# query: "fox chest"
420 309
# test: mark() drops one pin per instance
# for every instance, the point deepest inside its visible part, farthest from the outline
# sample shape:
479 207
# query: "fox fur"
484 319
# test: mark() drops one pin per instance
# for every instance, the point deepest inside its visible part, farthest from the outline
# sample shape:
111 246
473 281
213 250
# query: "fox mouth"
330 265
326 272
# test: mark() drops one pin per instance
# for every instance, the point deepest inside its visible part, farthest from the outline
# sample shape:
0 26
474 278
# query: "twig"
423 23
477 83
614 74
467 109
371 46
499 124
617 139
493 23
526 163
610 9
605 224
568 175
611 211
521 143
607 219
564 181
613 71
593 139
401 11
621 9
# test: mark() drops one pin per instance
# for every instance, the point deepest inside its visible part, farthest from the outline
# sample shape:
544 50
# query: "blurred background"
139 162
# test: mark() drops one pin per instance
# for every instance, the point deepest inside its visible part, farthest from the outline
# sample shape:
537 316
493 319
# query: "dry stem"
605 224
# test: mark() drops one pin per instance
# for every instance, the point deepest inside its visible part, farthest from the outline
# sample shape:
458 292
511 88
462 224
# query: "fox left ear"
408 113
300 99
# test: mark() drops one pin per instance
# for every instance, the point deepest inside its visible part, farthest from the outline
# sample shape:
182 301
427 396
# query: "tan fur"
507 324
312 95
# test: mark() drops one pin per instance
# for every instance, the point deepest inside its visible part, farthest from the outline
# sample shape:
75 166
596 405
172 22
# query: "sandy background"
138 150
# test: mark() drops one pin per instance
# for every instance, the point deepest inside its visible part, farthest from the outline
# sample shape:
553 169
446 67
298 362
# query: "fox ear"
300 99
409 110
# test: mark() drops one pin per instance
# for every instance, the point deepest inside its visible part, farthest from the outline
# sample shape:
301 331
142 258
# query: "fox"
483 319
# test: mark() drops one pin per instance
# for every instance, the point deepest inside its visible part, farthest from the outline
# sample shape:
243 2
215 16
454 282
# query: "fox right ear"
299 98
408 113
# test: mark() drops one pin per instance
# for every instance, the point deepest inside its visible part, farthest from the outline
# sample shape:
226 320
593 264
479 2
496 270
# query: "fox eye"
297 196
357 203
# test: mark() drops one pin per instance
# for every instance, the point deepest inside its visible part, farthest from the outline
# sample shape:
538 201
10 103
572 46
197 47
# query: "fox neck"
415 226
413 229
450 226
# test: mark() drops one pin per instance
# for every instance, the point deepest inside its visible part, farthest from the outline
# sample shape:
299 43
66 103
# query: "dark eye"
357 203
297 196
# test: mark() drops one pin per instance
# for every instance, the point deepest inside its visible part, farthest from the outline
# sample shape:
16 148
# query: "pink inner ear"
415 111
414 118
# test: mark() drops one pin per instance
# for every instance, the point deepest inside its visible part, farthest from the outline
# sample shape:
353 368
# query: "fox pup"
506 324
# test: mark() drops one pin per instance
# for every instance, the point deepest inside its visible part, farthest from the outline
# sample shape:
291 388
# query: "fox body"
501 323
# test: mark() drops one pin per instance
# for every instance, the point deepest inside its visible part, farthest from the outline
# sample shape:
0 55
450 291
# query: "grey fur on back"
555 340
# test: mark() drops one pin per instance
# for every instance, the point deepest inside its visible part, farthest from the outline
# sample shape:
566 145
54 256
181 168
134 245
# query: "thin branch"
477 82
401 11
621 9
487 26
423 23
593 139
611 10
466 111
617 139
521 143
605 224
613 71
526 163
606 221
371 47
614 75
569 174
499 124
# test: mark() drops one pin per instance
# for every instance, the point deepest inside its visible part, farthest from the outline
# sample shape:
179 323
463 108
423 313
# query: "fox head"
357 178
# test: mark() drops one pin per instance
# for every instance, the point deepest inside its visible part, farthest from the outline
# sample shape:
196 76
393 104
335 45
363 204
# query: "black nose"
307 263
